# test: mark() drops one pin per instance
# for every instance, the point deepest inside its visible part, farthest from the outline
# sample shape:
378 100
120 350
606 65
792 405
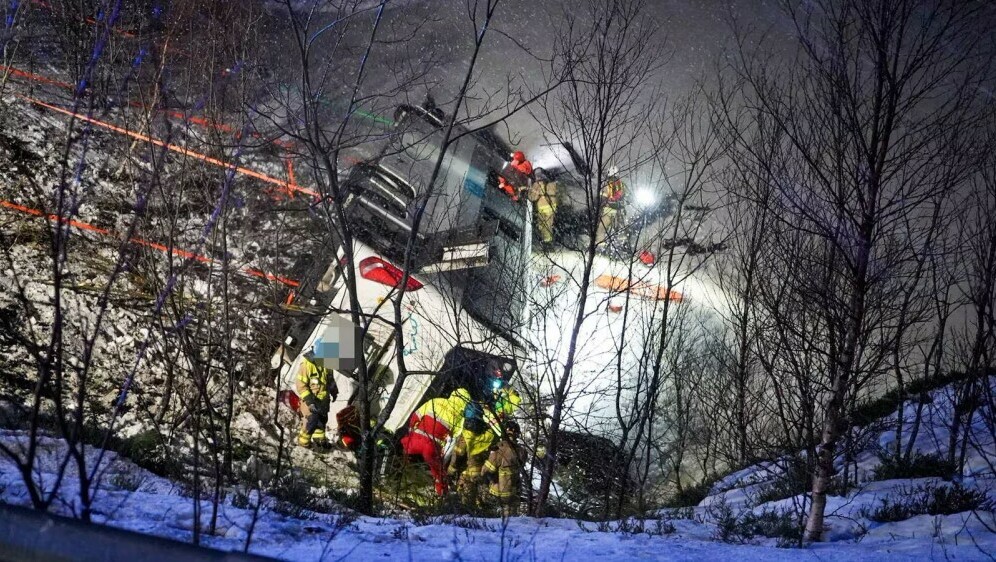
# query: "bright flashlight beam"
645 198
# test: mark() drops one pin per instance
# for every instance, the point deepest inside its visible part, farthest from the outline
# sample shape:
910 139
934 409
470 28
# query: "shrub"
781 525
586 494
740 528
474 524
591 474
147 450
423 515
126 481
929 500
726 522
344 518
242 452
887 404
240 499
400 532
795 480
691 496
294 497
681 513
917 466
652 526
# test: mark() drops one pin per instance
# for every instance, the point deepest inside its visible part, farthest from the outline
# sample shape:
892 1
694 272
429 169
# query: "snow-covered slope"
132 498
857 516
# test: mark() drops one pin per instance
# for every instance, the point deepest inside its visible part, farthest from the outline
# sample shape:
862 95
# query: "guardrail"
27 535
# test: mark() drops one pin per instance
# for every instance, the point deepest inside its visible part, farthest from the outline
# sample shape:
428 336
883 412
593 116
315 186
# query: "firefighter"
612 195
516 177
543 194
432 427
470 452
504 399
317 389
502 469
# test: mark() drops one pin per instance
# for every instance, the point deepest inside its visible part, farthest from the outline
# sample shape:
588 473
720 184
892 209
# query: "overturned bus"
465 303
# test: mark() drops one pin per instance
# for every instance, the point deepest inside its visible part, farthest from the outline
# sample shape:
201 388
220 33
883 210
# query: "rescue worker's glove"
311 401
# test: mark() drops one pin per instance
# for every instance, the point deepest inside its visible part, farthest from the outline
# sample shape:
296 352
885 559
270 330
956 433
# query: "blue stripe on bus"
474 182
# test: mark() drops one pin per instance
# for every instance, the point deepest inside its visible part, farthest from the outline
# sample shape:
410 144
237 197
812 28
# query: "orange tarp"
639 288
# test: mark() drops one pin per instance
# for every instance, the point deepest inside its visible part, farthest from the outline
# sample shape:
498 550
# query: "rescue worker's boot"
304 439
318 439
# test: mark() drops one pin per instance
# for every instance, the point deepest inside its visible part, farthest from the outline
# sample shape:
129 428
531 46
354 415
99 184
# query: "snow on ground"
131 498
847 516
607 331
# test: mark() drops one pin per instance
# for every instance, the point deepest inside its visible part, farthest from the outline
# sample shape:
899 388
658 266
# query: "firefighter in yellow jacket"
317 389
470 452
431 427
503 467
612 200
481 430
543 194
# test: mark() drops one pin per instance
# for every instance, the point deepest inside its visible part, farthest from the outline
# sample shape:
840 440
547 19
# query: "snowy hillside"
728 524
753 319
911 515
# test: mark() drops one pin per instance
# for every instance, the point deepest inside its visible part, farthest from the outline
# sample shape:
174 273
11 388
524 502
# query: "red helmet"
518 155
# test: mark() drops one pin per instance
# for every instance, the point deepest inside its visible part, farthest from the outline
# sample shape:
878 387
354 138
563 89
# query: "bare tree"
65 335
662 406
605 108
878 113
89 383
974 394
740 273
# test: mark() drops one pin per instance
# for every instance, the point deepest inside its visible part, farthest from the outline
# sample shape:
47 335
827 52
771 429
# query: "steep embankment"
920 506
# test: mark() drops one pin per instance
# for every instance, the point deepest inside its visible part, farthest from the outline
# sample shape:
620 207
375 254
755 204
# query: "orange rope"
202 121
142 242
36 77
175 148
120 32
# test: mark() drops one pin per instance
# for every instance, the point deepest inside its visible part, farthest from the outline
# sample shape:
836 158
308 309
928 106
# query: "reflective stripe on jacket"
447 411
506 461
613 192
309 372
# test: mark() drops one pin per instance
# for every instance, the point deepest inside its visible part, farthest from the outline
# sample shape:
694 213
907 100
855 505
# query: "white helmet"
613 170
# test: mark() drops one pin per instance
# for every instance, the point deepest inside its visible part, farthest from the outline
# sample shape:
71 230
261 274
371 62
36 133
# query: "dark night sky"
695 32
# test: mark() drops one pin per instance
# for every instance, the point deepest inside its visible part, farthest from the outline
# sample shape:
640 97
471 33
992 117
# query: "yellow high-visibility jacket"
447 411
308 372
612 192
